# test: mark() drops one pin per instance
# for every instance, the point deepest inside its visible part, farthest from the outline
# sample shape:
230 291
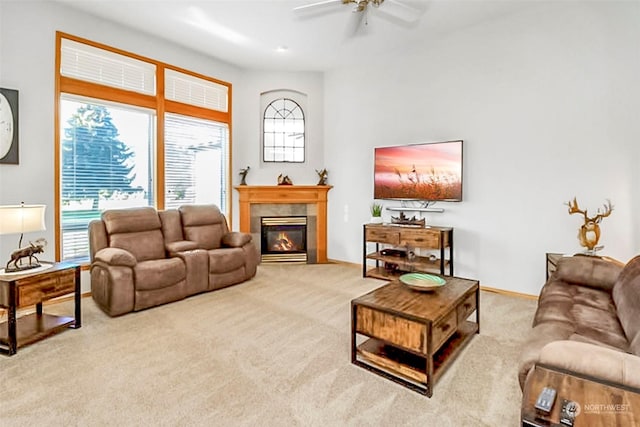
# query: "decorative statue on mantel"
322 174
243 175
284 180
589 232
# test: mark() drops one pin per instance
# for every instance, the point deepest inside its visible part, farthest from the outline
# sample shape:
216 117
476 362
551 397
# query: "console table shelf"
433 238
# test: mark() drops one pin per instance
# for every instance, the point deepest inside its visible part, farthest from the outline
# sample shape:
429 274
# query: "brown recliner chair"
232 256
129 267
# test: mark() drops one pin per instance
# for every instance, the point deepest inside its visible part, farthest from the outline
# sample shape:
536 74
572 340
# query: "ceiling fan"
395 10
360 5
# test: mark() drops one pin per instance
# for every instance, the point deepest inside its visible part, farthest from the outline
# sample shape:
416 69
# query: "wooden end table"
19 290
599 405
412 337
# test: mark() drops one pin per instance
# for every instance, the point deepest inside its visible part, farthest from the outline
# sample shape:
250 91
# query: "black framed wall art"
8 126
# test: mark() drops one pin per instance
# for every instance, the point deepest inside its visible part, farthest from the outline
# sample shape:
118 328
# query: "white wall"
546 101
246 129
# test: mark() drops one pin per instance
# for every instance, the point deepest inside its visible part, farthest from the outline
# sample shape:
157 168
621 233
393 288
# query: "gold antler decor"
589 232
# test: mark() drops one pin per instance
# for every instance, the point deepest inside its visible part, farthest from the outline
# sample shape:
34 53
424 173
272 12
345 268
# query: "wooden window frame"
72 86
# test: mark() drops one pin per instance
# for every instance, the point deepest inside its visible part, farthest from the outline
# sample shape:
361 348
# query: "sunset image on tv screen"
419 172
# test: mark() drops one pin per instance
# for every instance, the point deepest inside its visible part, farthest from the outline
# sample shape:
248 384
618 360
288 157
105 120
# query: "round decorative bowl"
422 281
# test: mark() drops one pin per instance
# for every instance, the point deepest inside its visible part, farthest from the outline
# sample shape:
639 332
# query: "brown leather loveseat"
142 257
588 322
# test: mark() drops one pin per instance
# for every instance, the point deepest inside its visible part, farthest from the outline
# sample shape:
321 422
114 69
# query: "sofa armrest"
180 246
116 256
591 360
197 263
235 239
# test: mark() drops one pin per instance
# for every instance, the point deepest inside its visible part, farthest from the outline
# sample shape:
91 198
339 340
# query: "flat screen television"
426 172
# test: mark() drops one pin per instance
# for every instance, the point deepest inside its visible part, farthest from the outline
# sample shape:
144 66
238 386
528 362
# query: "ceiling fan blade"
401 12
356 23
314 5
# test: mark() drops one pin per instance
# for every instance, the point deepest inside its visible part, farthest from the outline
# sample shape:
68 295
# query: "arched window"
283 132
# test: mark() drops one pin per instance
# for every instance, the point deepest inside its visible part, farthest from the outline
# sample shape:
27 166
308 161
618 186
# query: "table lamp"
23 219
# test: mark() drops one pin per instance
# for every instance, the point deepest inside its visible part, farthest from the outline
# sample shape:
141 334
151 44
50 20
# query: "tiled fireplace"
281 205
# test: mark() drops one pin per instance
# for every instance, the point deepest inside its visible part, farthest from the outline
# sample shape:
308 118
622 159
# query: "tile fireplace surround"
257 201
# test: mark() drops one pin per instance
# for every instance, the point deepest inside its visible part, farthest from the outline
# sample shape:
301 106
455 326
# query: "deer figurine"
589 233
27 252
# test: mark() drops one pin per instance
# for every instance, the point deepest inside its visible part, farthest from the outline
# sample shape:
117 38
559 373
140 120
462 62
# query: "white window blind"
196 159
89 63
105 164
192 90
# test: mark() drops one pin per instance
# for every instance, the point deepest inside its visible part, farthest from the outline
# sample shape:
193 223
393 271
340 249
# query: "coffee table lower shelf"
408 368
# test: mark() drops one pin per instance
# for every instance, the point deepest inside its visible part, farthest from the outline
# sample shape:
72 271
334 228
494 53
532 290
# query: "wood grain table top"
397 298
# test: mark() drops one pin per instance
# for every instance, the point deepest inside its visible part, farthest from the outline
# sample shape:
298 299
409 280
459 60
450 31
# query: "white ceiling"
248 32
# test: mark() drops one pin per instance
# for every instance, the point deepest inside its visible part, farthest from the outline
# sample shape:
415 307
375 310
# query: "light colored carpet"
270 352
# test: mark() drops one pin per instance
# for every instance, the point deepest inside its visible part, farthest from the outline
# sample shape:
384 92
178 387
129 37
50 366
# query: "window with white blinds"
107 140
193 90
196 159
88 63
105 164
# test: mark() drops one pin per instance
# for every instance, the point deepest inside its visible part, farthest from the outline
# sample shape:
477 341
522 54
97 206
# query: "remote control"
568 412
545 400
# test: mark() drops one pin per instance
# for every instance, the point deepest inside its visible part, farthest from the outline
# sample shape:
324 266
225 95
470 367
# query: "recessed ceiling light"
282 49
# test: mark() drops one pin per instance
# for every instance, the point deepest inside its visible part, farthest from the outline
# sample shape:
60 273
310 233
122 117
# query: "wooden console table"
436 238
599 405
33 288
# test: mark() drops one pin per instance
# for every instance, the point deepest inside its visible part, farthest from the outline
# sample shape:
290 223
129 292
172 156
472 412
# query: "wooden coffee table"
412 337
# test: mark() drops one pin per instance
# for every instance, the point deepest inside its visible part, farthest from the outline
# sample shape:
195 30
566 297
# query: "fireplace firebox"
284 238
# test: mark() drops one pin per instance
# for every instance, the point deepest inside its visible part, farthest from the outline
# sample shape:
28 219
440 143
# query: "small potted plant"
376 213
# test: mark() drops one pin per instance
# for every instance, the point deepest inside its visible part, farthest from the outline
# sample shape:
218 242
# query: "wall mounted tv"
428 172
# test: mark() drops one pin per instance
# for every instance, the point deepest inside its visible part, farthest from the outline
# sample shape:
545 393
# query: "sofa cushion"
203 224
131 220
225 260
588 313
144 245
588 271
626 296
171 225
160 273
135 230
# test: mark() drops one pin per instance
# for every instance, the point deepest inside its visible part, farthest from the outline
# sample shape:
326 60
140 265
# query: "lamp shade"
21 218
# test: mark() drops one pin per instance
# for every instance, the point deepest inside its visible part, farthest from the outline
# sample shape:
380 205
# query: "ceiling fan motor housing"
361 5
